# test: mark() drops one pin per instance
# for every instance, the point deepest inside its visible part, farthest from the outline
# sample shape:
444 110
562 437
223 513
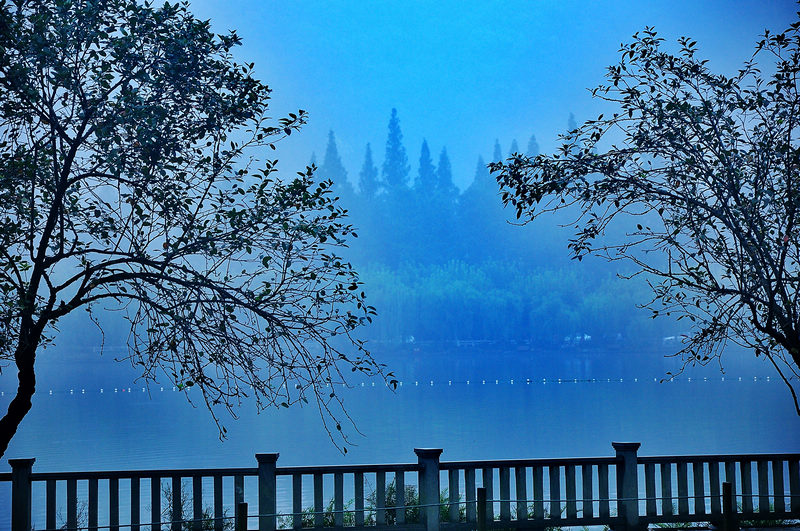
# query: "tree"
444 176
514 148
426 177
533 147
702 187
395 163
333 170
496 155
368 185
131 159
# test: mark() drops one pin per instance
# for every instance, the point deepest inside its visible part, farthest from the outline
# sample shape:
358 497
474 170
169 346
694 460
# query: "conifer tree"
395 163
514 148
444 176
368 184
333 169
498 153
533 147
426 176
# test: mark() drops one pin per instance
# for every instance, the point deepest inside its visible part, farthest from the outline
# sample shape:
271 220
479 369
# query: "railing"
625 491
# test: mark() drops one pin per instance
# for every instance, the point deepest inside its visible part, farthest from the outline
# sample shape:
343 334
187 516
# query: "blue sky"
460 73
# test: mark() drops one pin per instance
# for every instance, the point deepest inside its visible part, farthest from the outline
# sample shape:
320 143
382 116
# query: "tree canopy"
133 176
694 182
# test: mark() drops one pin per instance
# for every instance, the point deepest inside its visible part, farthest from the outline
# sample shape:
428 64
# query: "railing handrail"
511 463
720 458
346 469
400 467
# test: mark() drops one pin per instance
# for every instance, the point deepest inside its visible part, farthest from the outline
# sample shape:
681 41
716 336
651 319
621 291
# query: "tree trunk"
21 404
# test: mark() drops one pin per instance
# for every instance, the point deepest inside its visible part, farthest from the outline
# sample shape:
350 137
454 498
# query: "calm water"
485 419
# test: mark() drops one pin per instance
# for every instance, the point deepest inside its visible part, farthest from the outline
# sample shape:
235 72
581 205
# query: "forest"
444 264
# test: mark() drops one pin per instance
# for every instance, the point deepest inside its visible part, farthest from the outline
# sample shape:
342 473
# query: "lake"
502 413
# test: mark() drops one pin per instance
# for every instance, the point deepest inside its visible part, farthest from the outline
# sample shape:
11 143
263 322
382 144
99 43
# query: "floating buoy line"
427 383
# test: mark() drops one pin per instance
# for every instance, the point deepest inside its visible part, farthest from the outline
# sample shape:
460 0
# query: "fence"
626 491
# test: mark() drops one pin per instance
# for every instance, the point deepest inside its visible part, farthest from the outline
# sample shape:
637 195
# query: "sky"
460 73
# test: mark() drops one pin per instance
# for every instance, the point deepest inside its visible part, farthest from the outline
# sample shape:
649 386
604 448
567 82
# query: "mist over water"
504 347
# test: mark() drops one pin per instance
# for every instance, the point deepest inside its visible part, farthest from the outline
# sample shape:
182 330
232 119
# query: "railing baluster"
505 494
72 503
522 492
714 488
155 503
572 496
555 492
777 486
487 482
763 485
380 498
538 492
197 502
699 488
683 488
746 469
177 506
318 502
219 511
588 504
400 497
794 485
602 486
238 490
50 502
452 491
469 487
730 477
650 488
92 507
666 489
297 501
113 504
135 504
338 499
359 493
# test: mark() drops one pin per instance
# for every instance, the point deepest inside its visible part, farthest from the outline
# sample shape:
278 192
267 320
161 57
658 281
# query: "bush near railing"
411 506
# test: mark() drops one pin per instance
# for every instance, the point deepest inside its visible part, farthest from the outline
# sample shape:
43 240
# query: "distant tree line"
441 264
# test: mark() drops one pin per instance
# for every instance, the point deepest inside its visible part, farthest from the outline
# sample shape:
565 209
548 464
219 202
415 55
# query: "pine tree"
498 153
533 147
368 184
514 148
333 169
571 125
395 163
425 182
444 175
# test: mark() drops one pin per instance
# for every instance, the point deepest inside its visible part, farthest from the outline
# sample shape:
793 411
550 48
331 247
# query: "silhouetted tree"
497 154
332 169
121 184
514 148
395 163
368 185
444 176
426 176
703 185
533 147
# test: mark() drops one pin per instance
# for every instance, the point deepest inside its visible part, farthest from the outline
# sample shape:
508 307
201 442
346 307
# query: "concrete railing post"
428 459
628 484
21 493
267 492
